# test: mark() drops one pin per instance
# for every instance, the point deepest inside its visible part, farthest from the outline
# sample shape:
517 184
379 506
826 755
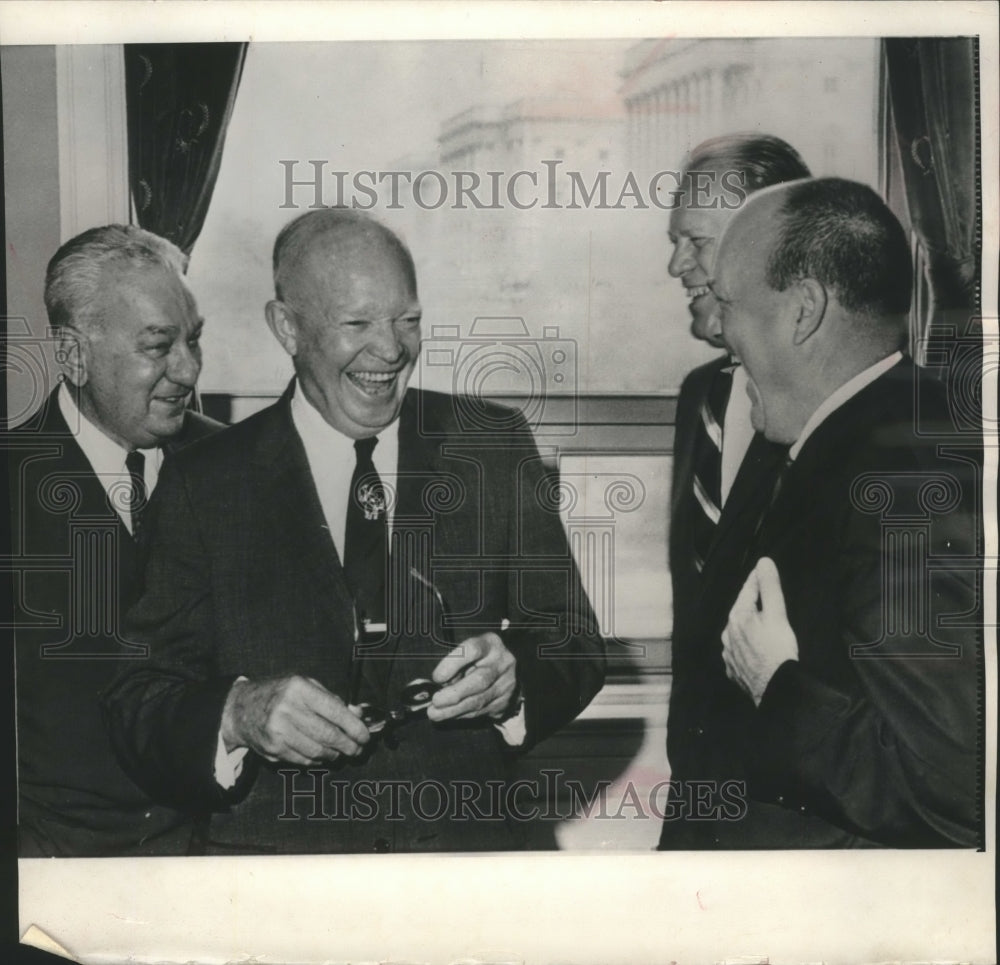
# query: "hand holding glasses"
415 697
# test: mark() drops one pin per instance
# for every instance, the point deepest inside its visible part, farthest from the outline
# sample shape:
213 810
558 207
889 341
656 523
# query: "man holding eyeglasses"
333 548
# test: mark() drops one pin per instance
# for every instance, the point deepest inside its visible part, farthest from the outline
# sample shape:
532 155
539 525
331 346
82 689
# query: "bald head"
813 279
333 242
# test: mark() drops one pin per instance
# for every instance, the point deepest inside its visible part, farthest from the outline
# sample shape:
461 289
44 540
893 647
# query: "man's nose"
681 260
184 365
385 343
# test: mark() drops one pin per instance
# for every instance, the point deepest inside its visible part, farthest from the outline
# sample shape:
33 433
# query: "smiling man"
719 466
713 425
128 336
346 643
842 692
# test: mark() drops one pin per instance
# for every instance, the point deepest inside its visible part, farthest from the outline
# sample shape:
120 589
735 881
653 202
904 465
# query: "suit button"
802 809
781 798
381 846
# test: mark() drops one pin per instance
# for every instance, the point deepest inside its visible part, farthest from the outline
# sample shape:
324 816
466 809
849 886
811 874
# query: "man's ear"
812 309
72 356
282 325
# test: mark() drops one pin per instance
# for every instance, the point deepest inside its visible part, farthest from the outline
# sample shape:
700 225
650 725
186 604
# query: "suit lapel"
828 447
290 502
750 491
73 464
416 531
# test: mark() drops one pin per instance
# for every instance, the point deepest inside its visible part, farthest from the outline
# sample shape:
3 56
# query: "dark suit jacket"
871 737
75 569
759 464
243 578
740 511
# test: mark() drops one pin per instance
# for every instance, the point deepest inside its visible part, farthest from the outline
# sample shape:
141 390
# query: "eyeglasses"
415 697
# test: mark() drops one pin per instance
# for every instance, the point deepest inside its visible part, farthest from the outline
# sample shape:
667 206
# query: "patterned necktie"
366 536
707 479
135 465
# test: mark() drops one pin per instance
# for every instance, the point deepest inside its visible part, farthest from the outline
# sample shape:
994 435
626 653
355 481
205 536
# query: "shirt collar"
319 436
102 452
847 391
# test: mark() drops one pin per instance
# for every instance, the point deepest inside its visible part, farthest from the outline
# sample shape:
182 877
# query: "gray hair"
74 274
762 160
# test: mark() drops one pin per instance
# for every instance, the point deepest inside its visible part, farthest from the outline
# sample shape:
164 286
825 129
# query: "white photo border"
629 908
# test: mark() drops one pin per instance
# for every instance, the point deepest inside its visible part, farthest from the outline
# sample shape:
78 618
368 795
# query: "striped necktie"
135 466
707 479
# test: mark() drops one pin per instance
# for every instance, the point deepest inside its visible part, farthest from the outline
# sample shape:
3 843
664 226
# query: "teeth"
373 376
698 290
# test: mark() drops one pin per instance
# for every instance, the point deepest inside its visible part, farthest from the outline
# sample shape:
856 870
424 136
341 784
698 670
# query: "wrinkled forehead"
149 288
702 187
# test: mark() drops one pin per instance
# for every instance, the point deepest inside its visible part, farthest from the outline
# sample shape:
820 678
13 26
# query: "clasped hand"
758 637
296 719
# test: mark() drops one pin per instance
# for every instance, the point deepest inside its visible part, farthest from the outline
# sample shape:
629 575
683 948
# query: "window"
588 281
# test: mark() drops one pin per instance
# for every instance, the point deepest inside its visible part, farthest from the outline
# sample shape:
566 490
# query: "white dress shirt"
107 458
332 458
847 391
737 430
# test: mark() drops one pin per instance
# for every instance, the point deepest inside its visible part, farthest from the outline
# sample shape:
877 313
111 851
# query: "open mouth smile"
172 399
374 383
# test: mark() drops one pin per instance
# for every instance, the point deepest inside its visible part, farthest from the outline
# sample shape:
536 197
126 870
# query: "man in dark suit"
841 698
718 462
713 431
127 330
279 620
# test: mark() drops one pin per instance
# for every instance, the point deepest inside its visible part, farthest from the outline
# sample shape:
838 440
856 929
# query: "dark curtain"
179 99
934 109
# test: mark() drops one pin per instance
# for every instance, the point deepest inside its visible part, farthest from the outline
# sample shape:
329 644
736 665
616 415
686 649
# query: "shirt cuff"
513 730
228 764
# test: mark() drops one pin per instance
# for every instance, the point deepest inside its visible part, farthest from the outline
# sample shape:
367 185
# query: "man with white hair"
81 469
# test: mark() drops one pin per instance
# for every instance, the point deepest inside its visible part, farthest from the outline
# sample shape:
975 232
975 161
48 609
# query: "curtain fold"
179 99
934 103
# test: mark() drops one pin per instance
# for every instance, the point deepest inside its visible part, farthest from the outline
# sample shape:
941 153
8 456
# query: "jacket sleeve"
163 714
891 750
554 634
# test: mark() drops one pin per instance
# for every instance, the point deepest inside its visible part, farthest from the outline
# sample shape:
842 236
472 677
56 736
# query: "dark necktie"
779 482
135 465
707 478
366 535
